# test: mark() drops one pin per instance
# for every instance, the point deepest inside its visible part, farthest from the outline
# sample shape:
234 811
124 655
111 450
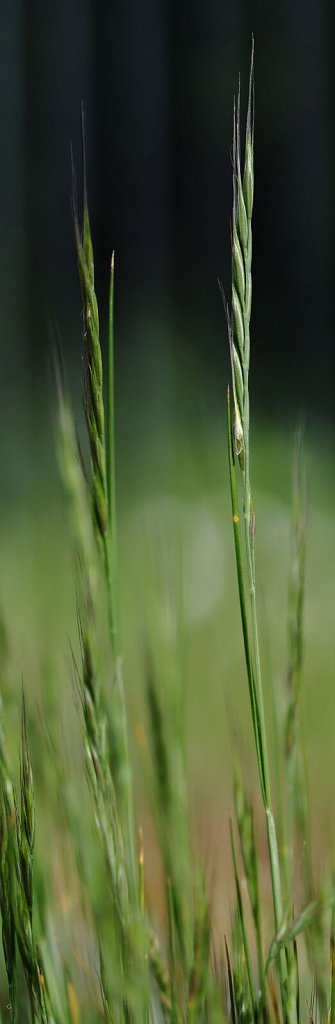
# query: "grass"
87 934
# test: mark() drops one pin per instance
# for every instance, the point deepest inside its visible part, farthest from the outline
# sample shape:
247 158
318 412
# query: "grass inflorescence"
112 958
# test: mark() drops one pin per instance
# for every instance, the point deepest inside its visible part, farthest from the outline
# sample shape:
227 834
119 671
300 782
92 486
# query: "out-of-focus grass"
175 537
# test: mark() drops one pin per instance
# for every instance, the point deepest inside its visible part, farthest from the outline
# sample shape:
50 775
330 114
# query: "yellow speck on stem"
140 736
140 838
73 1003
235 518
141 870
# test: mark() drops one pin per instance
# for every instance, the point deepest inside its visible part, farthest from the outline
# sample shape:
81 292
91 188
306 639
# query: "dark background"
157 79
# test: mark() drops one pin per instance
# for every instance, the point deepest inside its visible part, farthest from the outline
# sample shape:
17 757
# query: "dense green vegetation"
202 918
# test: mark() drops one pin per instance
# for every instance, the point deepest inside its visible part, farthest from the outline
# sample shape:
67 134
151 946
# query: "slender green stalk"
238 426
112 576
243 926
245 824
102 448
111 464
243 605
171 810
296 810
127 930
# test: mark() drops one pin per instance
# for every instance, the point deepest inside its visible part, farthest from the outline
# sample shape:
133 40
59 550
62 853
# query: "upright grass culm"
296 785
297 804
99 733
245 824
101 441
238 319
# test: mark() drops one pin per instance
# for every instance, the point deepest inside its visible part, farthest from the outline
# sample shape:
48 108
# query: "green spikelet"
239 318
93 377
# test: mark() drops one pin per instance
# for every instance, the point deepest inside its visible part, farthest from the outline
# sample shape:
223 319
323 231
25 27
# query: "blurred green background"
157 81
